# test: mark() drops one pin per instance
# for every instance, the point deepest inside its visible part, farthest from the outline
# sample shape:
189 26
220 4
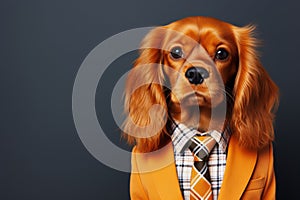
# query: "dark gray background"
42 46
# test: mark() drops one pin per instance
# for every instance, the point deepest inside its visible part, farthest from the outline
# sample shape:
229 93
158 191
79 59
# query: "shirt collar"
182 135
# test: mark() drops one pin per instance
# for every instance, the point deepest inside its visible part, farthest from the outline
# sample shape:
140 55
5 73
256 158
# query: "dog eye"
221 54
176 52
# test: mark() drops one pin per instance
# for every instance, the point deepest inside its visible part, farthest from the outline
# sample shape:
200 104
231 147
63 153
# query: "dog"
206 74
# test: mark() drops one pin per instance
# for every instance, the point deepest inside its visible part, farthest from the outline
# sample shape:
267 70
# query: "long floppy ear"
256 95
145 103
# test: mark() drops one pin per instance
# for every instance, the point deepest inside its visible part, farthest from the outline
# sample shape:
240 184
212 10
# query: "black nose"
196 75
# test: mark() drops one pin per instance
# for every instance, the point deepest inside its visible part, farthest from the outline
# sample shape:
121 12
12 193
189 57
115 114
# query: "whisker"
230 97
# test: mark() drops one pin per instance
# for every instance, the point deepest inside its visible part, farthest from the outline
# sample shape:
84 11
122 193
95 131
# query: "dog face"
200 59
204 52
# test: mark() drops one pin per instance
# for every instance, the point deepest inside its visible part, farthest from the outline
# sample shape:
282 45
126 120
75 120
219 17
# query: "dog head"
192 66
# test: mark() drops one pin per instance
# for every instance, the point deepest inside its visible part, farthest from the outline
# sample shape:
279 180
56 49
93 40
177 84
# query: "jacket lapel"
166 183
239 167
162 169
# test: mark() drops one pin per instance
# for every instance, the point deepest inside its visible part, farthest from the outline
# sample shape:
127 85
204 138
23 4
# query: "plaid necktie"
200 179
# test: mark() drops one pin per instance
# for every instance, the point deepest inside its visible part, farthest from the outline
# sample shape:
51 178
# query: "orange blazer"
249 174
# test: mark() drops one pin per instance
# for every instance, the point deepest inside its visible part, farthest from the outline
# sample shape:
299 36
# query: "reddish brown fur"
255 95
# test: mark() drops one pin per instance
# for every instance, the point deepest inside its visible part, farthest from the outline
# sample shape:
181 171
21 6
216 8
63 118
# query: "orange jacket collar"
239 167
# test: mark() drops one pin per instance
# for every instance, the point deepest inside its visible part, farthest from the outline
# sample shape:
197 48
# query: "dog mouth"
195 98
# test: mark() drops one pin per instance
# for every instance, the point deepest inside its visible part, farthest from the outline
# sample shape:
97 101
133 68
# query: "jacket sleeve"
137 191
270 187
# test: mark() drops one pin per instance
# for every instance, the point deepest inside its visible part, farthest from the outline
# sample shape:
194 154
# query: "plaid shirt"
184 158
